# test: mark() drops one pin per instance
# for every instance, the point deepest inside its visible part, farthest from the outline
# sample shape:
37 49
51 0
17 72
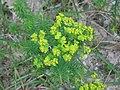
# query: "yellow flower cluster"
56 51
49 62
34 37
43 42
68 36
67 57
36 61
86 49
93 86
69 30
44 49
94 76
96 85
80 31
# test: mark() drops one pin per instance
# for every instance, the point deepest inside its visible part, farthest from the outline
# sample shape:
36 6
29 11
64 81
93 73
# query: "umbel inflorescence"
69 37
94 85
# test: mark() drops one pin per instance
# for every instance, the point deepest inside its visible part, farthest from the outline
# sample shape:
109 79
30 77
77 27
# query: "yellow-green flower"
80 32
94 75
63 40
73 48
65 20
61 15
81 88
37 63
58 18
100 85
86 86
53 30
76 42
41 34
92 86
65 47
89 38
58 35
47 61
43 41
80 25
68 29
72 30
44 49
70 21
82 56
90 29
67 57
54 62
34 37
58 23
76 24
87 49
81 37
76 32
56 51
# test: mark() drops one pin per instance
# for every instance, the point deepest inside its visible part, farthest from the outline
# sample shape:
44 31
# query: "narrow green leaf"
104 60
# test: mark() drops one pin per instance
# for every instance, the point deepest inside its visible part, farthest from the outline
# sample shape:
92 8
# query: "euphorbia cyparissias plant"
68 36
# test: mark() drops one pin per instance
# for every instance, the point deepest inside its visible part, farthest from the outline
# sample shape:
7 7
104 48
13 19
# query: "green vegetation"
48 48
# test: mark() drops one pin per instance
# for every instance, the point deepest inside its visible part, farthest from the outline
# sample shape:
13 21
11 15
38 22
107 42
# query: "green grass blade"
1 86
77 12
104 60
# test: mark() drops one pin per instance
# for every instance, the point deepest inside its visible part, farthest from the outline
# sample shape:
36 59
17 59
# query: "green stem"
76 9
60 78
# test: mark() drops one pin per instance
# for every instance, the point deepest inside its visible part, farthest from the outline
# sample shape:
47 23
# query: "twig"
19 77
98 43
97 25
108 76
12 37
